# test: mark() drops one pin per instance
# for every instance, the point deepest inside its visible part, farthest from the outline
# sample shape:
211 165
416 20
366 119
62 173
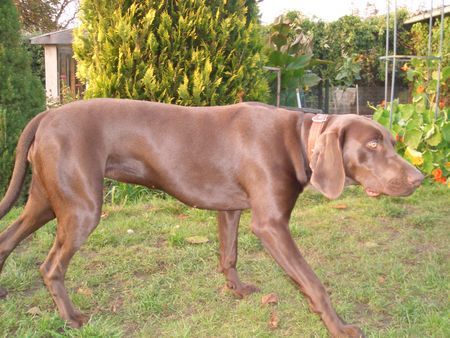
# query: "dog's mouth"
372 193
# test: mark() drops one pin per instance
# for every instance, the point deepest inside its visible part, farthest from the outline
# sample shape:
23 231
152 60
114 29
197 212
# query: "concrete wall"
344 102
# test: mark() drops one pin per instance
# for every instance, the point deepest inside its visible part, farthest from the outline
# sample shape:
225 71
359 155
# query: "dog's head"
357 149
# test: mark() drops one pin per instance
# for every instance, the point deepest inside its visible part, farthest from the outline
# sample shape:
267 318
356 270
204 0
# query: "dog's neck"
318 122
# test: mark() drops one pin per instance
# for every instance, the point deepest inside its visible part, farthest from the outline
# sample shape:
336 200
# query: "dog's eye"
372 144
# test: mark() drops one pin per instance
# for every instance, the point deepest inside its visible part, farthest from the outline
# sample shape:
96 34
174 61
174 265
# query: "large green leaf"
445 73
299 62
446 131
378 114
435 139
415 122
310 79
427 166
428 130
413 138
381 115
406 111
428 116
279 59
410 74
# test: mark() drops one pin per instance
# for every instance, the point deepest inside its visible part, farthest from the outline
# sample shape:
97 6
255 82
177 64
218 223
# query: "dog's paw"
242 290
3 293
350 331
77 320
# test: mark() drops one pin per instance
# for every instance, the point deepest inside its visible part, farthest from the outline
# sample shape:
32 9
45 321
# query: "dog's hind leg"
78 212
228 232
36 213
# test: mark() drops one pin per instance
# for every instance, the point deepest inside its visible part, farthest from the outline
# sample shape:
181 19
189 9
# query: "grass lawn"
385 262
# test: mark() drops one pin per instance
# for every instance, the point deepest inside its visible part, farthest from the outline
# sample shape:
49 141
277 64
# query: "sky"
330 10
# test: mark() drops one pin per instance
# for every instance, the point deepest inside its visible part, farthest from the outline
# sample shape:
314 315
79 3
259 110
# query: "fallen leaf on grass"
270 298
34 311
85 291
223 289
381 279
370 244
117 305
104 215
274 320
197 240
340 206
182 216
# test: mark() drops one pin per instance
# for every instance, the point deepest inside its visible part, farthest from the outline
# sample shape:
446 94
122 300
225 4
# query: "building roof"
62 37
425 16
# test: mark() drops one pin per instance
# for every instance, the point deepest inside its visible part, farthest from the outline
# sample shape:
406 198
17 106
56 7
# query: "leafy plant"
290 50
419 37
350 35
421 138
349 71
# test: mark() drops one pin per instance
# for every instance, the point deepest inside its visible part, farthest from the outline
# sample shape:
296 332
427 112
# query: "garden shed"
60 66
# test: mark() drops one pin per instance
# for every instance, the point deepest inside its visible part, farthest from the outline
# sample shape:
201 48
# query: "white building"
60 66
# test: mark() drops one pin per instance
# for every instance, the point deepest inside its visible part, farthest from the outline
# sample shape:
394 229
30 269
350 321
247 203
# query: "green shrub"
361 39
419 40
422 139
21 93
192 52
289 49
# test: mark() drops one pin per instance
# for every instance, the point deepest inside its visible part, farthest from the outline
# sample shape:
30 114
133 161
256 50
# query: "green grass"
384 261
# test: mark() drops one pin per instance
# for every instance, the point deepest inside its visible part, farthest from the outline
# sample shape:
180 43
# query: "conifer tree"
191 52
21 93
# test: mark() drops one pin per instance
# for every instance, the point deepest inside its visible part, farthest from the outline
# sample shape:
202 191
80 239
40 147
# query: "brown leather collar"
318 122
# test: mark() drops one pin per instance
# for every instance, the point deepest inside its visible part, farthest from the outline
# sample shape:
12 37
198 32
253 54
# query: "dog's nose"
416 179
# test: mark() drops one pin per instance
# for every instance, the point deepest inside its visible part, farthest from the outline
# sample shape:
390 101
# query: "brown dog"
226 158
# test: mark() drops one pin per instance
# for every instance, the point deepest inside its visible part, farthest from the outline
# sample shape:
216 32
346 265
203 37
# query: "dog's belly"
197 188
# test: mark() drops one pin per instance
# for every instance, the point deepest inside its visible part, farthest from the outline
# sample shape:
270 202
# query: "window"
68 84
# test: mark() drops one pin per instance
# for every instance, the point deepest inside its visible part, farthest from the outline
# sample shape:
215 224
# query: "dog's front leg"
228 231
277 240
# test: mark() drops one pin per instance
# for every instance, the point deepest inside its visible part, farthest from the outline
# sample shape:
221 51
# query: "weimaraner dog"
228 158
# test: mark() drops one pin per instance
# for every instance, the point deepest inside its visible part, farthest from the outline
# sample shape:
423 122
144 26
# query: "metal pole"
299 101
438 85
394 63
430 26
357 99
278 87
386 71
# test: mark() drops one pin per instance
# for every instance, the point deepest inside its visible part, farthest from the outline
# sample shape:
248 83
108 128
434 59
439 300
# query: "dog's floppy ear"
327 165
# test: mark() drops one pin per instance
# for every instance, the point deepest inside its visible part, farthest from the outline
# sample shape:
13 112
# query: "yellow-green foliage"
191 52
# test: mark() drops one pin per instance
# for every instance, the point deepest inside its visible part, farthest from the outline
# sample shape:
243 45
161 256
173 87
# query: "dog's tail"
20 165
